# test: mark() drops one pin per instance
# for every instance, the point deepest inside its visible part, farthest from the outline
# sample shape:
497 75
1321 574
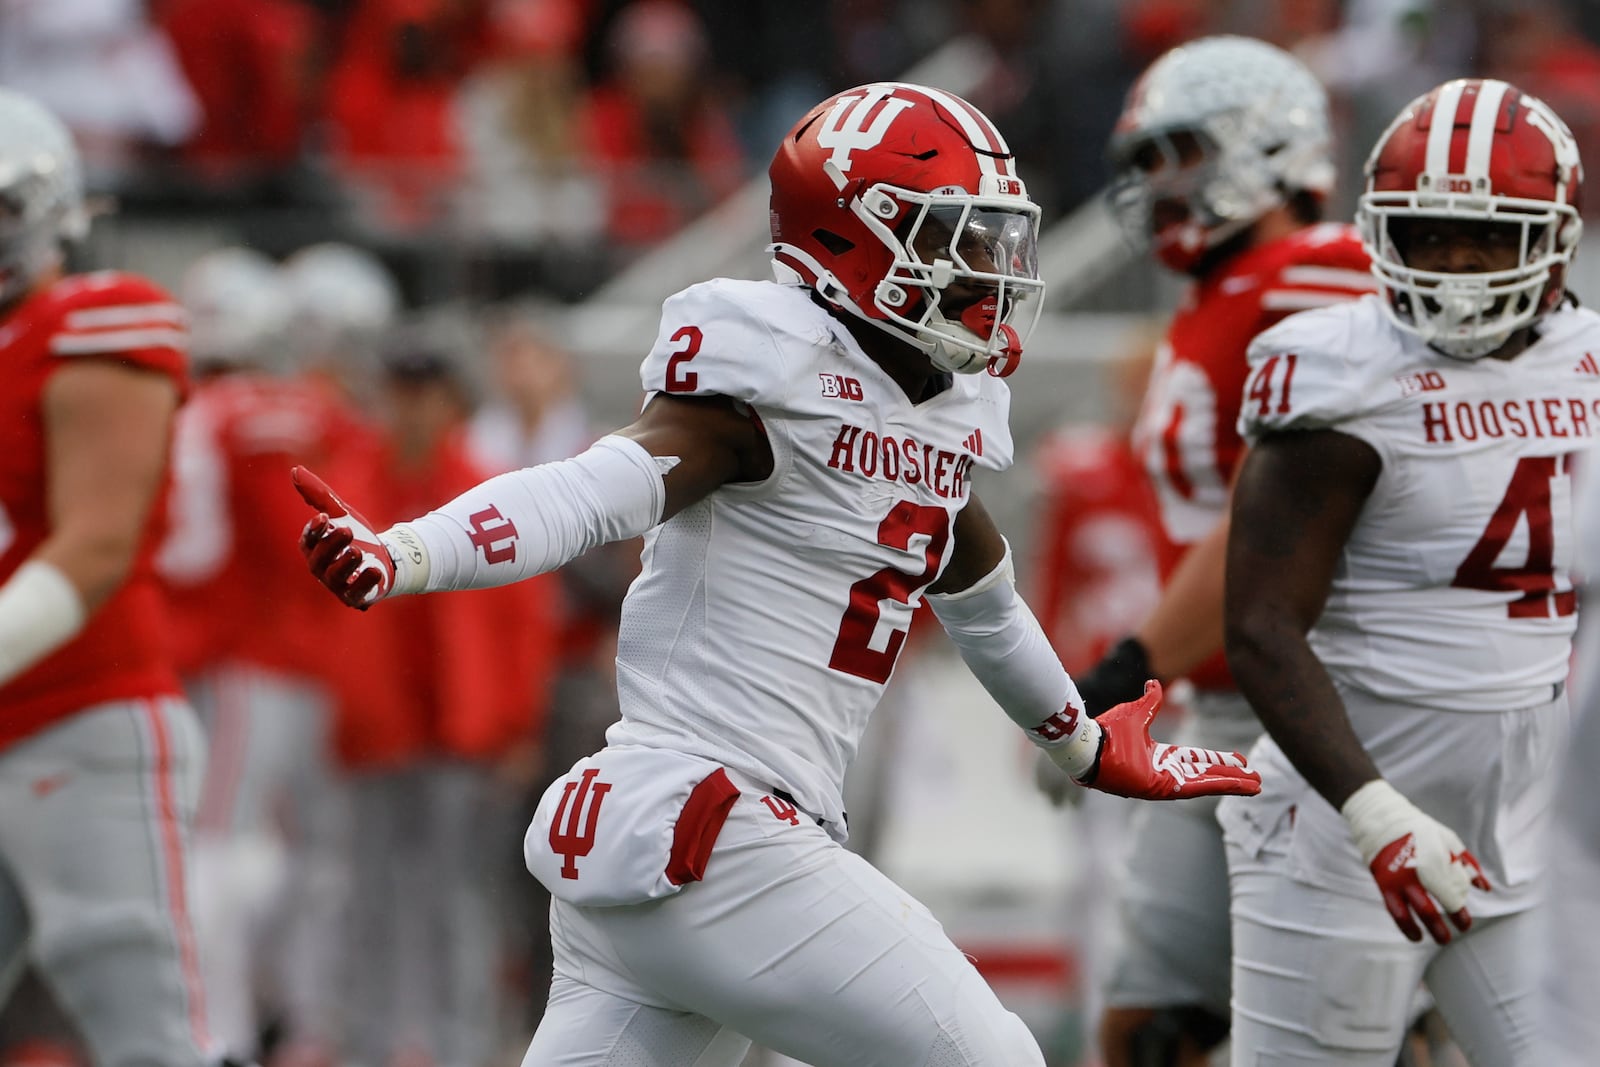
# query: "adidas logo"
974 443
1588 365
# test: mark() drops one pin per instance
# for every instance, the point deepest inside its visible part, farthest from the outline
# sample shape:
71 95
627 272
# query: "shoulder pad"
111 315
1320 266
731 338
1315 370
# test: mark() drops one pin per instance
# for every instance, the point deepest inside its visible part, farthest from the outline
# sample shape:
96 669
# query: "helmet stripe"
979 130
1485 117
1443 124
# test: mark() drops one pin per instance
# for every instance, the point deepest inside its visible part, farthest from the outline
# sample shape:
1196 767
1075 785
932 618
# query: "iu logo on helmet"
489 528
847 128
572 830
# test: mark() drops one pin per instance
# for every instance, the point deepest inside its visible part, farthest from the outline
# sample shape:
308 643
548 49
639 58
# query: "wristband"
40 610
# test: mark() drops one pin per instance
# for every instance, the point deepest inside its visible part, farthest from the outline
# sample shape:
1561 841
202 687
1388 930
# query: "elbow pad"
534 520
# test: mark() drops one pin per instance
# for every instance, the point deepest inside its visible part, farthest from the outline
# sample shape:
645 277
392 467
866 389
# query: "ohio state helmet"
901 204
237 307
339 295
1485 151
1258 120
41 192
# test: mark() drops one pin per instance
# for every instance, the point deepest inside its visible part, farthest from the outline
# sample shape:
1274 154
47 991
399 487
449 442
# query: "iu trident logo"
489 530
567 839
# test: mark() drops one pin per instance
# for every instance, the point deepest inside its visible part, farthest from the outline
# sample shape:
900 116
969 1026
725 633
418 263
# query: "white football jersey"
1455 590
769 616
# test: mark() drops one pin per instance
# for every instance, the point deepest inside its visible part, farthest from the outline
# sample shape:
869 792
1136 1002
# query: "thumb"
315 492
1150 703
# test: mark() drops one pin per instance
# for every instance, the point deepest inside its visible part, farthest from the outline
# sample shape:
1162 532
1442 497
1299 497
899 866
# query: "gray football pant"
94 881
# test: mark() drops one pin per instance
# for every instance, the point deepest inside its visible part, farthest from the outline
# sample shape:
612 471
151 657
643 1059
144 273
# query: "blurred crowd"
598 127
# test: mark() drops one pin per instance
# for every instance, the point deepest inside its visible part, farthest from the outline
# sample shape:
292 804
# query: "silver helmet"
41 192
1219 132
237 308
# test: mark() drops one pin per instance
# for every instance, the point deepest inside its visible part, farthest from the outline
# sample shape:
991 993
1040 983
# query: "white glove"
1415 859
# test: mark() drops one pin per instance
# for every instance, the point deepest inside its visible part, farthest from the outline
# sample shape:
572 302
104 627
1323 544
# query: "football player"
100 757
1223 164
1400 603
803 472
256 656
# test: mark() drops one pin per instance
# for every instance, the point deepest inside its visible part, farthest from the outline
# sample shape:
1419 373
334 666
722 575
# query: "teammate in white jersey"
1224 164
803 471
1400 606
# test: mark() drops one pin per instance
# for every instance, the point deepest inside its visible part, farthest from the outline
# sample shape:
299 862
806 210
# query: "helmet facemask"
964 285
1469 315
1182 192
38 209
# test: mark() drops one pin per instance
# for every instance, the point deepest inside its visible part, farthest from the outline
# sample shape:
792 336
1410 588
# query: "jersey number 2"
852 650
1528 494
678 379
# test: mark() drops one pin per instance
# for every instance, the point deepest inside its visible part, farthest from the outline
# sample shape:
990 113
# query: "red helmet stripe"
1485 118
1443 125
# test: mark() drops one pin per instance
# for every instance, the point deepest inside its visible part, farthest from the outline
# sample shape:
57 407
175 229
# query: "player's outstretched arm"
530 521
977 603
1298 497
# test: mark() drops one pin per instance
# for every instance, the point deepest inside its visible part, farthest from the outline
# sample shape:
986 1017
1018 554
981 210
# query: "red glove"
1415 860
341 547
1130 764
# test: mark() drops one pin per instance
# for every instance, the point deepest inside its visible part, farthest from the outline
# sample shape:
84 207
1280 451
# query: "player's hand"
1119 677
1130 764
1420 864
1054 782
341 547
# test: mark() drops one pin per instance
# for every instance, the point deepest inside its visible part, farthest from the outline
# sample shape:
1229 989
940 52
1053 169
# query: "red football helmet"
1484 151
901 204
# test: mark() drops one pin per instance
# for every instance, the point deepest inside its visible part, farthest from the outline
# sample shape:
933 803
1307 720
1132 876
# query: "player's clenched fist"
1131 764
341 547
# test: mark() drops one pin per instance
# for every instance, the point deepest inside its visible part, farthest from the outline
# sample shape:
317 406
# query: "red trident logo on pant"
782 809
566 839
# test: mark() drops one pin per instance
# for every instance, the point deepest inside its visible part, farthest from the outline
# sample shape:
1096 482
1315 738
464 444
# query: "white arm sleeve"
1007 651
516 525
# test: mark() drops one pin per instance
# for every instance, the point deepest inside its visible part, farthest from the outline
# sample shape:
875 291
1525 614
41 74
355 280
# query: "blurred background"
461 217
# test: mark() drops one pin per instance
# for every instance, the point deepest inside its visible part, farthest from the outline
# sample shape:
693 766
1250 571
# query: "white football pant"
790 940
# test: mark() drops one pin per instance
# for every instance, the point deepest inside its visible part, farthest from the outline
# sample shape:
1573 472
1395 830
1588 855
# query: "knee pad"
1158 1041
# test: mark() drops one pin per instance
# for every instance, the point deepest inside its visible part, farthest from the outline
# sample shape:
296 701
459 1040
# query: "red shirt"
249 63
231 561
1187 434
462 674
121 653
1101 552
651 195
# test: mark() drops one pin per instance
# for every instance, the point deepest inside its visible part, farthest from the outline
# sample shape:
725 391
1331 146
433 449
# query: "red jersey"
454 675
1187 432
231 561
121 653
1101 550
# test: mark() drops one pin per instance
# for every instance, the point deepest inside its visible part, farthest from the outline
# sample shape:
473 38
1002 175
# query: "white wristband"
40 610
409 556
1378 813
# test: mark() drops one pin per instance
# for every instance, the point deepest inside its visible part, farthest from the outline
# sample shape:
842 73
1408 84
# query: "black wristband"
1118 678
